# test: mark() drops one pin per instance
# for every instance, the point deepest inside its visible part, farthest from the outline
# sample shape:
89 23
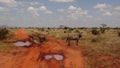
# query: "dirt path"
33 57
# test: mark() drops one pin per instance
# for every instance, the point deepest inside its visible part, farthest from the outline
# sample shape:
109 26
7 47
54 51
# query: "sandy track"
33 57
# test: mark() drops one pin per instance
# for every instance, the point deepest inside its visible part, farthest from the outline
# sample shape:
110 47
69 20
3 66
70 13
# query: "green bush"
95 32
3 33
94 40
65 31
65 28
102 30
119 34
77 31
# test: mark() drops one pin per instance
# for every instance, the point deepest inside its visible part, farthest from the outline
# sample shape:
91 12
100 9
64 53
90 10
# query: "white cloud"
23 3
73 16
117 8
14 3
3 9
60 10
72 8
76 12
105 9
64 1
107 13
81 11
10 3
33 11
33 3
108 10
45 10
12 19
7 1
101 6
89 16
48 12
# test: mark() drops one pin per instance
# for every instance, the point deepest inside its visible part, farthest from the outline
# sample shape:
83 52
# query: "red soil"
33 57
21 34
107 61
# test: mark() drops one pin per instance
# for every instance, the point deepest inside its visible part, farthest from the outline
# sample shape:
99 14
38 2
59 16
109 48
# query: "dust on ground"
33 57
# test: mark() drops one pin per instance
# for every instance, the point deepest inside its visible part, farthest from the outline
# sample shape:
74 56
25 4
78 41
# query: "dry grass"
102 51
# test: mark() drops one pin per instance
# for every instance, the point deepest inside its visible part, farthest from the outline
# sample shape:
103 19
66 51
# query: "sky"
53 13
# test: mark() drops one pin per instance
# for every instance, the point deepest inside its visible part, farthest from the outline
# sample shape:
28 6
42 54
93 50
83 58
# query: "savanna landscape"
96 49
59 33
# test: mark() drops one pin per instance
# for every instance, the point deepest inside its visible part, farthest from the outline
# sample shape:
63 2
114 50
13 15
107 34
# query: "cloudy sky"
52 13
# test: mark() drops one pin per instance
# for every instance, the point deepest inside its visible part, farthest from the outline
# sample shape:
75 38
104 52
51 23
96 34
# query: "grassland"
99 51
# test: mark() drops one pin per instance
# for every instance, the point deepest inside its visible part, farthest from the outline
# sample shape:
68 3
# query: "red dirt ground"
33 56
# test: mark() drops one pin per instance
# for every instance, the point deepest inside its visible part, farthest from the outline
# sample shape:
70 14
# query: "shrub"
77 31
102 30
65 31
42 29
94 40
3 33
97 39
119 34
66 28
95 32
70 29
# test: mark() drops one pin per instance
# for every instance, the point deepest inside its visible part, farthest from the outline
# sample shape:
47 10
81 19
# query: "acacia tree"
102 29
103 25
